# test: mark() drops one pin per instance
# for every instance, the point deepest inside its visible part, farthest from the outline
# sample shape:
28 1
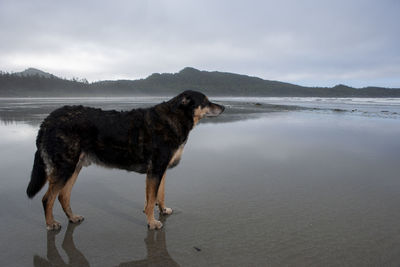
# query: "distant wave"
379 107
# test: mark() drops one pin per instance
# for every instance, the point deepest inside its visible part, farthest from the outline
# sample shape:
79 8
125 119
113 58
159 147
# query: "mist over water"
268 183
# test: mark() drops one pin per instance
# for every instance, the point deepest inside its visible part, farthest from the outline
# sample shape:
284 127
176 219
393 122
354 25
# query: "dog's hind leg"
161 197
48 202
65 193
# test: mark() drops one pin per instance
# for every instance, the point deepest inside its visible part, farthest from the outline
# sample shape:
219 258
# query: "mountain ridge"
33 82
33 72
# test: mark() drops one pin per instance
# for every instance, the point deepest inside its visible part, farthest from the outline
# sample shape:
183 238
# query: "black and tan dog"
141 140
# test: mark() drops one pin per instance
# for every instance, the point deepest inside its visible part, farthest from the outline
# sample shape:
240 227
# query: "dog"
147 141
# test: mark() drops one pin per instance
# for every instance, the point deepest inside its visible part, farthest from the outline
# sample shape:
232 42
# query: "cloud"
309 42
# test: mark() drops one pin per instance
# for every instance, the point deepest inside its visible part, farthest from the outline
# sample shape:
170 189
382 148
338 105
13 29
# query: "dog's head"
198 105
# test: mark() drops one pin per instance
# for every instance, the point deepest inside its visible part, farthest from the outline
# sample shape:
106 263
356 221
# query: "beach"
271 182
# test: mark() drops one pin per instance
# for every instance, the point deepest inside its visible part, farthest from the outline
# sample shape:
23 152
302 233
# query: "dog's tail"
38 176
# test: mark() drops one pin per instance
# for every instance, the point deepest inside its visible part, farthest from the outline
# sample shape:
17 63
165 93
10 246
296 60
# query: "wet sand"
284 188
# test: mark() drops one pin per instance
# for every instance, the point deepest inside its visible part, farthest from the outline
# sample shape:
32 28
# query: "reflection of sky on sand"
13 132
287 188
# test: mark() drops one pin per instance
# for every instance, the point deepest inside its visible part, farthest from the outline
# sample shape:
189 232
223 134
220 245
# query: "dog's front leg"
152 184
161 198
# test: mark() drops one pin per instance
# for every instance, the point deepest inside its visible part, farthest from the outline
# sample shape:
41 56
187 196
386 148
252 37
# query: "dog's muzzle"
215 110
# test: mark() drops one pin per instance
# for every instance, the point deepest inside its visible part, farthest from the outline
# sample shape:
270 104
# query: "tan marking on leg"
151 196
48 202
65 195
161 197
160 193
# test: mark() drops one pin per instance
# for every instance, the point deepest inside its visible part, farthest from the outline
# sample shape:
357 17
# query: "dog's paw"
154 225
166 211
53 226
76 218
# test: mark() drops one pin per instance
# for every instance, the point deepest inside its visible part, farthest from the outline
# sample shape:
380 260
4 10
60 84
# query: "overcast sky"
307 42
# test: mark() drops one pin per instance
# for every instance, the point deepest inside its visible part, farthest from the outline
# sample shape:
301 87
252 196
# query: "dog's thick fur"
141 140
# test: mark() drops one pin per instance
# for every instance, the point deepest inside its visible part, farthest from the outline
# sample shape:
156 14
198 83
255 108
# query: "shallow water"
290 187
368 107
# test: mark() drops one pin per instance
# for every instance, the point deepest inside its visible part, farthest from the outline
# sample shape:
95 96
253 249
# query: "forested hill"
36 83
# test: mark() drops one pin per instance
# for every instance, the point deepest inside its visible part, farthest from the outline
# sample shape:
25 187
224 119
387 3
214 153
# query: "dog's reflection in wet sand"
75 257
157 253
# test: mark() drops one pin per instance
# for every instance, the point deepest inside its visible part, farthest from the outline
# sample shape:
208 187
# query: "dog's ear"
181 102
185 101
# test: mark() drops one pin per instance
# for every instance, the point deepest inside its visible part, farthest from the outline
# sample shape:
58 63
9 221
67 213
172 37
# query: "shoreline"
33 111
